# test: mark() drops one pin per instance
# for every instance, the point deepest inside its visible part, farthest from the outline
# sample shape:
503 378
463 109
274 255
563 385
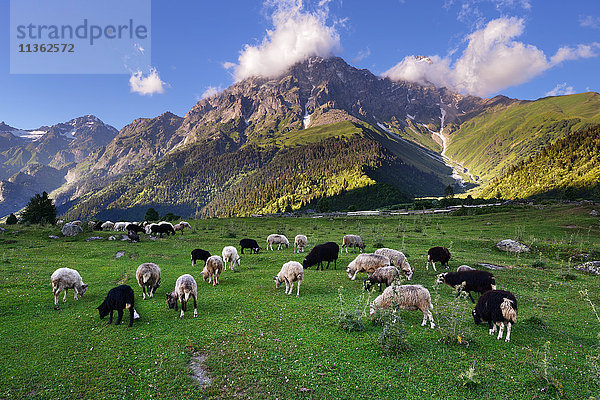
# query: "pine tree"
39 210
151 215
12 219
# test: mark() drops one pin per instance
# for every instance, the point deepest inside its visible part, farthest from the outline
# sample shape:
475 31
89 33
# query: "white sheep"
121 226
185 286
352 241
108 226
279 240
291 271
406 297
300 242
185 224
65 279
230 257
366 263
148 277
212 269
398 259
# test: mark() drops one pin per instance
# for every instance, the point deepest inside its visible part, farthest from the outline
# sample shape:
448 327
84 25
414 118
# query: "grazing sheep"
322 252
91 224
199 254
398 259
464 268
212 270
468 281
497 308
118 298
134 227
121 226
440 254
353 241
148 277
162 228
185 224
291 272
300 242
230 257
108 226
381 275
184 288
249 244
366 263
181 226
65 279
406 297
279 240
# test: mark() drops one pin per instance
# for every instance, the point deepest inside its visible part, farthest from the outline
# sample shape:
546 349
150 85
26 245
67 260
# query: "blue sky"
524 49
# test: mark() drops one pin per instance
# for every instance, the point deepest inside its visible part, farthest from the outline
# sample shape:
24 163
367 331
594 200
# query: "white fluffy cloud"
560 90
491 62
146 85
296 35
211 91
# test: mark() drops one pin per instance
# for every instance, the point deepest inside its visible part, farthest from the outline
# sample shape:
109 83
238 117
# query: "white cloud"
560 90
491 62
211 91
296 35
362 54
588 21
146 85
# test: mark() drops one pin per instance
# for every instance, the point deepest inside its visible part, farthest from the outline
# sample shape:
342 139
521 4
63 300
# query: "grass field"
259 343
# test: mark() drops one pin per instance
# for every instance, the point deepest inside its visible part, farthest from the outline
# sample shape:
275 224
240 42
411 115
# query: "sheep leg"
144 292
75 296
431 319
298 291
508 332
195 306
131 311
433 264
291 287
119 316
183 308
110 317
354 277
65 296
501 331
215 282
471 297
56 293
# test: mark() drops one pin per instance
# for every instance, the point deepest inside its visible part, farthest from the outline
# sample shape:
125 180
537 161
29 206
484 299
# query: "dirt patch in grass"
199 371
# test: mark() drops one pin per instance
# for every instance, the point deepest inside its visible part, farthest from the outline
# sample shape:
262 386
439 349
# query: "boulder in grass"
69 229
511 246
592 267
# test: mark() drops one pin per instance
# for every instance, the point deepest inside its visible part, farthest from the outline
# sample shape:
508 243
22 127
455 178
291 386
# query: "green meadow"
258 343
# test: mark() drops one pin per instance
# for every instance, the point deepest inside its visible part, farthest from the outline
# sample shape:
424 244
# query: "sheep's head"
441 278
172 300
277 281
349 272
205 274
407 270
476 317
82 289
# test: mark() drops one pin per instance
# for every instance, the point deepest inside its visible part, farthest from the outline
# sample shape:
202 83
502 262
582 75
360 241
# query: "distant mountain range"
322 130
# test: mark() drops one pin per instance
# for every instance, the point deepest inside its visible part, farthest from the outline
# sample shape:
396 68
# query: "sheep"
132 236
497 308
464 268
98 225
381 275
353 241
108 226
366 263
184 288
300 242
148 277
134 227
120 226
162 228
468 281
76 222
230 257
65 279
279 240
181 226
406 297
91 224
291 271
185 224
199 254
212 269
440 254
249 244
118 298
322 252
398 259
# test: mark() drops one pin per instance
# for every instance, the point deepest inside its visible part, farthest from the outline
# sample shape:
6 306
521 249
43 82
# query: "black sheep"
98 225
249 244
322 252
199 254
117 299
162 228
474 281
436 254
497 308
134 227
133 236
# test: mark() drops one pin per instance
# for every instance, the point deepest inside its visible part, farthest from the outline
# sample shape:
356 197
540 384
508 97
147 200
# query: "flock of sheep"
385 266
